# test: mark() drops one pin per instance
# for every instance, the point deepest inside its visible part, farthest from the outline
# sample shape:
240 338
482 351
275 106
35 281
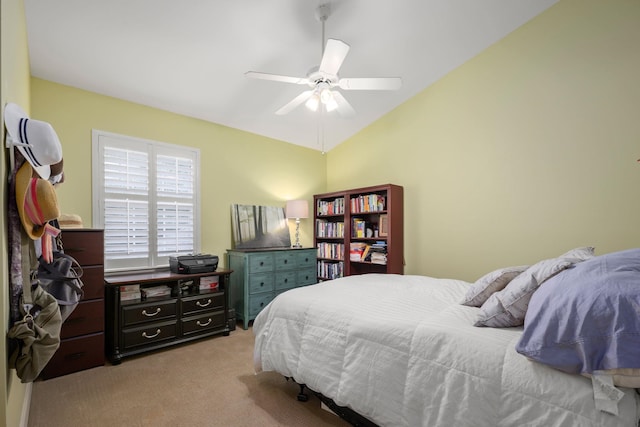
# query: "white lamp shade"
297 209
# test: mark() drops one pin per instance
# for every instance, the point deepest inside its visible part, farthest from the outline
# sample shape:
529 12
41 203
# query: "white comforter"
402 351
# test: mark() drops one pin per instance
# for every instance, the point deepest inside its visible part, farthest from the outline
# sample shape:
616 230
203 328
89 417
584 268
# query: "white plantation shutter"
147 200
175 207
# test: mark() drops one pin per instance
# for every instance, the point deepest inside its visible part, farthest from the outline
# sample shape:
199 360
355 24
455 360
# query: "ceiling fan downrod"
322 13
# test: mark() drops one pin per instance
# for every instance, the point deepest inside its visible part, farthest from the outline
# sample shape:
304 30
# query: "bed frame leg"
302 396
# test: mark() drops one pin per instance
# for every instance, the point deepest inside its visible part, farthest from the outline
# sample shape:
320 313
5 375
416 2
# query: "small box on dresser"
82 334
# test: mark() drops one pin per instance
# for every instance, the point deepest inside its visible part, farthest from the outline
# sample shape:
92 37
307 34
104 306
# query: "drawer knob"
286 260
286 280
144 334
261 263
261 284
144 312
205 304
204 324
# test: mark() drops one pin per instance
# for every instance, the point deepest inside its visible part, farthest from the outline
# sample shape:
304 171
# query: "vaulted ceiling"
190 57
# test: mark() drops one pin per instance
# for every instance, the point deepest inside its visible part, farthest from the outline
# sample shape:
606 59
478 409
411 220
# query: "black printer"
191 264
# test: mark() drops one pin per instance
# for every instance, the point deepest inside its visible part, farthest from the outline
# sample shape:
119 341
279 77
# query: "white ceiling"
189 56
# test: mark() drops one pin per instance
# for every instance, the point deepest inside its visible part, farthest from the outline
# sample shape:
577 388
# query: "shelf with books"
370 230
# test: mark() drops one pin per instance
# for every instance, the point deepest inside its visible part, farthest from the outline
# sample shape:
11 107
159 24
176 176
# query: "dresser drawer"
86 246
149 312
258 302
93 281
203 323
76 354
149 334
260 283
87 318
213 301
307 276
261 263
286 280
306 259
285 260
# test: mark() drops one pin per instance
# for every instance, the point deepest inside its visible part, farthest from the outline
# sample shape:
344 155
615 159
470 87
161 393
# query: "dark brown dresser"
82 335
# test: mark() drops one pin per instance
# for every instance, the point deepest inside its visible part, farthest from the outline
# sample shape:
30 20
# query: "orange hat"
36 200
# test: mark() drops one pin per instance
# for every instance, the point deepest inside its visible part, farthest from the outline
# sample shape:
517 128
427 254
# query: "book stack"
130 292
156 291
378 253
209 283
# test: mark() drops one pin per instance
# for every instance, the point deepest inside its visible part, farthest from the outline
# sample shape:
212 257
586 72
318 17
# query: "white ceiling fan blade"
334 53
276 77
344 108
295 102
371 83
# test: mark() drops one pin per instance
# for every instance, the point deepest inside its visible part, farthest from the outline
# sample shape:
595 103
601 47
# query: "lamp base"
297 243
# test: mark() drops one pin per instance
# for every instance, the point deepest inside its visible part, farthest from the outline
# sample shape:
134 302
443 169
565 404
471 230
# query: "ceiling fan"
324 81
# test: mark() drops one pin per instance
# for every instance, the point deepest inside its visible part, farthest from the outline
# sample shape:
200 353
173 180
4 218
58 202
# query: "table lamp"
297 209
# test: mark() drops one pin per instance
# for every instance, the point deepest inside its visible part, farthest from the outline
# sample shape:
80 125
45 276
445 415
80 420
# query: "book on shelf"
156 291
368 203
331 207
358 228
356 250
130 295
209 283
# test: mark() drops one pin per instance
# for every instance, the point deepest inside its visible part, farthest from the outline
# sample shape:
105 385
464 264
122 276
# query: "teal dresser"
259 275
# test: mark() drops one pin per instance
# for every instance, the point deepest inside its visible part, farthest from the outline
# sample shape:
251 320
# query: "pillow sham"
586 319
507 308
580 254
491 282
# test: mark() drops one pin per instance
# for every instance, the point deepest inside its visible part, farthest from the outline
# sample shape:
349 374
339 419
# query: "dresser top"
266 249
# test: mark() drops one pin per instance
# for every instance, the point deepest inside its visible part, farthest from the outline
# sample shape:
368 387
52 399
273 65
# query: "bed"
401 350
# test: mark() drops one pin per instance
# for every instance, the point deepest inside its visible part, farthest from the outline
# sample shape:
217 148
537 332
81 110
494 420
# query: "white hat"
36 140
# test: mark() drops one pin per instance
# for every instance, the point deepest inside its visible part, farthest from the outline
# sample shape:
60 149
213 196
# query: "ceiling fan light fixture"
326 96
331 104
313 102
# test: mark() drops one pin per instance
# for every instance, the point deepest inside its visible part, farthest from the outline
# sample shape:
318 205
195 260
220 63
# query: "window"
146 198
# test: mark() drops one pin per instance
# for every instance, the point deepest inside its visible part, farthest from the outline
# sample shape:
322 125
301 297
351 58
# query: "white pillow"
491 282
580 254
508 307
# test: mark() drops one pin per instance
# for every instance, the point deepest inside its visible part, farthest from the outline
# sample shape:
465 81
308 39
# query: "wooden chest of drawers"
145 324
261 274
82 334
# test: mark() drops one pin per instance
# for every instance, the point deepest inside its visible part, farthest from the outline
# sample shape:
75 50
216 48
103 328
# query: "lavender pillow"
586 319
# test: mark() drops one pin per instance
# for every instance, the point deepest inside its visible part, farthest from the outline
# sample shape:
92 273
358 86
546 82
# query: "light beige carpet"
210 382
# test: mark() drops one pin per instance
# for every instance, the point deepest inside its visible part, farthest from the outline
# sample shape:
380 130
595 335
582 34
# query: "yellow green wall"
14 84
236 166
523 152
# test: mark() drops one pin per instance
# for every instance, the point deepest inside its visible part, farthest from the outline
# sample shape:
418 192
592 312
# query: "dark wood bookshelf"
370 206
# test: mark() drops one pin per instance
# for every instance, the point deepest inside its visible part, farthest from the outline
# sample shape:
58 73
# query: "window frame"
101 139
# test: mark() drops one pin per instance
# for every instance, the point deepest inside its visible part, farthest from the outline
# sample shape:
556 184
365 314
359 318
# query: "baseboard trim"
26 406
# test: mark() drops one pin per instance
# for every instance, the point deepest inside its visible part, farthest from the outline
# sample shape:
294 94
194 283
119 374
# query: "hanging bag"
37 334
61 278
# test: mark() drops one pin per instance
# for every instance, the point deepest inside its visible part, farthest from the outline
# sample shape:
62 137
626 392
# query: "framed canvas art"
259 227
